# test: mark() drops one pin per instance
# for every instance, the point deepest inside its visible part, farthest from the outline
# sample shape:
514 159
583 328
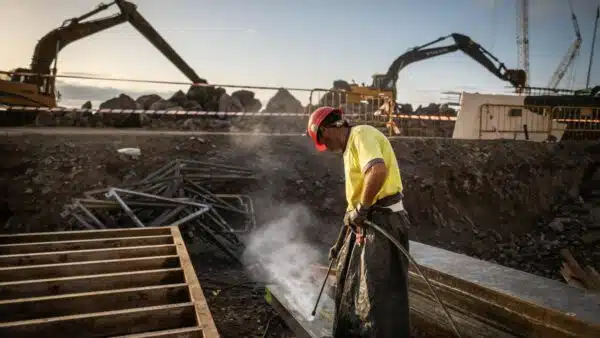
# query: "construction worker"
372 274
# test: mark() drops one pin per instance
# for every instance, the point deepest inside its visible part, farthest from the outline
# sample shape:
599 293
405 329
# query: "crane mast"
587 81
571 54
523 35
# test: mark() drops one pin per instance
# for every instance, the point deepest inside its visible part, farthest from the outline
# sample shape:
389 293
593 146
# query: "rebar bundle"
175 194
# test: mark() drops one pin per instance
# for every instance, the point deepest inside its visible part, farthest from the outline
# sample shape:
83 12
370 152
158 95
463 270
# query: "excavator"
35 87
384 85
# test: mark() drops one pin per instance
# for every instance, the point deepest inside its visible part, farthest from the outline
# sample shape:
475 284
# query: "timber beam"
101 283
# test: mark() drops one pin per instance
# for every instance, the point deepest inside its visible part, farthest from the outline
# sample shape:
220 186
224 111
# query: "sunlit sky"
303 44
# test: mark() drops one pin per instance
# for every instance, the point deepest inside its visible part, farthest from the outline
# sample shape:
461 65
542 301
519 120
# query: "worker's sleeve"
368 151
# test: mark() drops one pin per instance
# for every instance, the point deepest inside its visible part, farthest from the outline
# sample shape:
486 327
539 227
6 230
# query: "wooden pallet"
102 283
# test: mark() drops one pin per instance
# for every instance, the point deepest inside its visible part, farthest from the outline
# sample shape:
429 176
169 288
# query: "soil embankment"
515 203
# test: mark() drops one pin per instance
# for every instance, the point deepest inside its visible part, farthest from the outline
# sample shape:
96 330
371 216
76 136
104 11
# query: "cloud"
85 74
79 92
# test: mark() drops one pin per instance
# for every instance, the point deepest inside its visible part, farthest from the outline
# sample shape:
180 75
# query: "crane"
587 81
571 54
523 35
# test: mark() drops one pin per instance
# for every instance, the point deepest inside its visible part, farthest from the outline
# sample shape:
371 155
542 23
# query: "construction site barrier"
538 123
190 113
352 116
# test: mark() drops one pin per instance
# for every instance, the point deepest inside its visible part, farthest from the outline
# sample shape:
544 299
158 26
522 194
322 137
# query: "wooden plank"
97 282
82 234
87 268
104 324
90 302
203 315
594 277
569 277
84 244
575 267
188 332
86 255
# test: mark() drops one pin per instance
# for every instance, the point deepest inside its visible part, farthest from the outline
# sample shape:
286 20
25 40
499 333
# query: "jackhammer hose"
414 263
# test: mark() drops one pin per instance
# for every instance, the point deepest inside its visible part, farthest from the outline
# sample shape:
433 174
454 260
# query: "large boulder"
284 102
179 97
192 106
253 106
145 101
248 100
121 102
230 104
119 119
162 105
208 97
245 96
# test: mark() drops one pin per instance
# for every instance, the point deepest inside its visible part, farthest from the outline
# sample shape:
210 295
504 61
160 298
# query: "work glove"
356 217
355 220
333 253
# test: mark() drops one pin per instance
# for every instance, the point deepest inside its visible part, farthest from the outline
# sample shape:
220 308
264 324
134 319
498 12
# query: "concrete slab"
484 299
300 321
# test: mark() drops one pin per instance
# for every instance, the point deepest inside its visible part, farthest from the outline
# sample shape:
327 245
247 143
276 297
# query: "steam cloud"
285 255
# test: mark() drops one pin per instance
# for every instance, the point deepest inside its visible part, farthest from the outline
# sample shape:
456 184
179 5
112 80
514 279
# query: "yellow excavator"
384 85
35 87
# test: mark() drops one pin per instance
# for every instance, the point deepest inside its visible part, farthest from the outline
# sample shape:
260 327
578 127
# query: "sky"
302 44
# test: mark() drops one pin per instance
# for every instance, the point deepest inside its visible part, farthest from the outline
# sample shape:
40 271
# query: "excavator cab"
28 90
380 82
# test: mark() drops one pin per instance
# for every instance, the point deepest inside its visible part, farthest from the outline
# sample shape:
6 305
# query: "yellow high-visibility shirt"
367 146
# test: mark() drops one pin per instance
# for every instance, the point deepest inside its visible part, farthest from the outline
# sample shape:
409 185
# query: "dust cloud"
285 256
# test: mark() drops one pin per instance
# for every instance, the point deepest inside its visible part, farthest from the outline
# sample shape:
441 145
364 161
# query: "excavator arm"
50 44
516 77
75 29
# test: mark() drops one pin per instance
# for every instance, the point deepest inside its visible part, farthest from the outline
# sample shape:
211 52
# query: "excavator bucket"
517 77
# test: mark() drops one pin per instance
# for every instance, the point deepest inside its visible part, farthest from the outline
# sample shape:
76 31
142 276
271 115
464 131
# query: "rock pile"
216 99
211 99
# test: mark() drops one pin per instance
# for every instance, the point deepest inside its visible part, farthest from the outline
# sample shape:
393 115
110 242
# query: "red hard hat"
314 122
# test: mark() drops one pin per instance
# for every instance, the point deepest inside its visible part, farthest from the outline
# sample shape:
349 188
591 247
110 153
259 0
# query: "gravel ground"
492 200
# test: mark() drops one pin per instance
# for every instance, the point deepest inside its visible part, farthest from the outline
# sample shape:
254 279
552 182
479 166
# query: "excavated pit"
499 201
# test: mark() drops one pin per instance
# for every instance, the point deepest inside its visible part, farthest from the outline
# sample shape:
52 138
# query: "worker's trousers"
372 282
